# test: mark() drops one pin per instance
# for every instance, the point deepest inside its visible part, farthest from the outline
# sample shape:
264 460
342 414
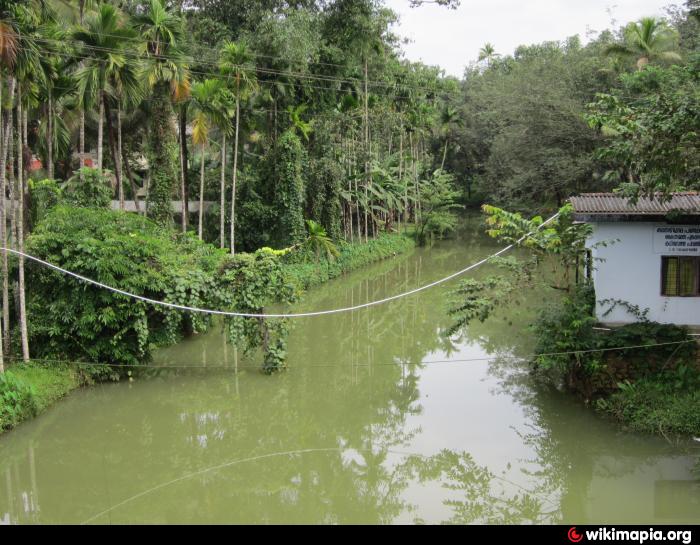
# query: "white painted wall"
631 271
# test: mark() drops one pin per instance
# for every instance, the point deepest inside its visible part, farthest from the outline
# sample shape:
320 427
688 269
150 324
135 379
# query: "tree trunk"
82 142
444 154
100 132
201 194
235 172
20 227
120 157
7 157
162 175
222 207
132 183
49 136
5 132
81 8
3 225
366 150
183 168
113 148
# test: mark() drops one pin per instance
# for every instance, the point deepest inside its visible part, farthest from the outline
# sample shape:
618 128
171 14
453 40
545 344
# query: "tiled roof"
615 204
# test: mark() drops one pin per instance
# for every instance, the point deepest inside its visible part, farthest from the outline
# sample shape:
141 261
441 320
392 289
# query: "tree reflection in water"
340 437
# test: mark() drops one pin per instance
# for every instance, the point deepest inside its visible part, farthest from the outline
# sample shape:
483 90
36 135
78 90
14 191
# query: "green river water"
376 421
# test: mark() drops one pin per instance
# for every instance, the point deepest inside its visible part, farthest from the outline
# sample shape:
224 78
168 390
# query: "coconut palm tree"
488 53
236 65
647 40
167 73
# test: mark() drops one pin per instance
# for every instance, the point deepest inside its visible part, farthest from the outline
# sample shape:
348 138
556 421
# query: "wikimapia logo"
636 536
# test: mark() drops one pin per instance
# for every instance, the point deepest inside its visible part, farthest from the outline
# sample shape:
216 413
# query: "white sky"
452 38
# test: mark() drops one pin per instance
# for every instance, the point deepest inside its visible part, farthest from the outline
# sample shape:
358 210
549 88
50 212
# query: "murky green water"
378 420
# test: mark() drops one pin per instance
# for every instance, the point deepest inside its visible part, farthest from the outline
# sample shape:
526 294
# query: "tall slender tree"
166 68
106 70
210 109
237 66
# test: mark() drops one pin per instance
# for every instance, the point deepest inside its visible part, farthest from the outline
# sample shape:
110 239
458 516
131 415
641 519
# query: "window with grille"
680 276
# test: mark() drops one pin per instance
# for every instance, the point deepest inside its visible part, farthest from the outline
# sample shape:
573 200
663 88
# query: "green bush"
93 191
652 389
45 194
16 400
69 319
254 282
593 365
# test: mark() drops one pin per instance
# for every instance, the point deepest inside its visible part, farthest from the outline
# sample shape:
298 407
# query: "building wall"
631 271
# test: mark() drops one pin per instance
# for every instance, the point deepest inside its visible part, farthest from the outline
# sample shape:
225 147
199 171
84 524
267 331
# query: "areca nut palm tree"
167 73
211 109
103 40
237 66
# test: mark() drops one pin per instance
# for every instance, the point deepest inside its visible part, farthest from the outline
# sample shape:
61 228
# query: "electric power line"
276 315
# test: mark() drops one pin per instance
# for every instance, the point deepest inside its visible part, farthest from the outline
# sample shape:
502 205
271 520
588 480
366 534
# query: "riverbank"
26 390
651 387
352 256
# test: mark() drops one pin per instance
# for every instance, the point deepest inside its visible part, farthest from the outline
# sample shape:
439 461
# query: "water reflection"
362 428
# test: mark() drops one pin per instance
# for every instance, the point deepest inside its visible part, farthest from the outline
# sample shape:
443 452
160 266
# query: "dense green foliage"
16 400
306 273
288 200
89 188
125 251
649 406
652 125
436 216
653 389
254 282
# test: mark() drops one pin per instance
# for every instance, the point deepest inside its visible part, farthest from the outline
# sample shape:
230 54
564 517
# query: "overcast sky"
452 38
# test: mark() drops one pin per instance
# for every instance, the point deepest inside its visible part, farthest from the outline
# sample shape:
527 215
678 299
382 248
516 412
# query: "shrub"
592 363
45 194
256 281
16 400
93 191
70 319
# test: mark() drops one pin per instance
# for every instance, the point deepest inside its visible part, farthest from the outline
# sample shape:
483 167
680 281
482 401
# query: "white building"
645 254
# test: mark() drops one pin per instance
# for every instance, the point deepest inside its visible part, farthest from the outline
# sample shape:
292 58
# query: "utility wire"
428 363
261 70
277 315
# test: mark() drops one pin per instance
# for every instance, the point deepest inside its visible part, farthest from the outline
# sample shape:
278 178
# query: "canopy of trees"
268 114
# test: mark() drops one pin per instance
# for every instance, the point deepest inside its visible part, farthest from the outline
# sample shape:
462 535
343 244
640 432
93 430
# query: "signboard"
677 239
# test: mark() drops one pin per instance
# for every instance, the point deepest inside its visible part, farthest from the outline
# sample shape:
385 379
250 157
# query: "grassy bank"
352 256
28 389
652 406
